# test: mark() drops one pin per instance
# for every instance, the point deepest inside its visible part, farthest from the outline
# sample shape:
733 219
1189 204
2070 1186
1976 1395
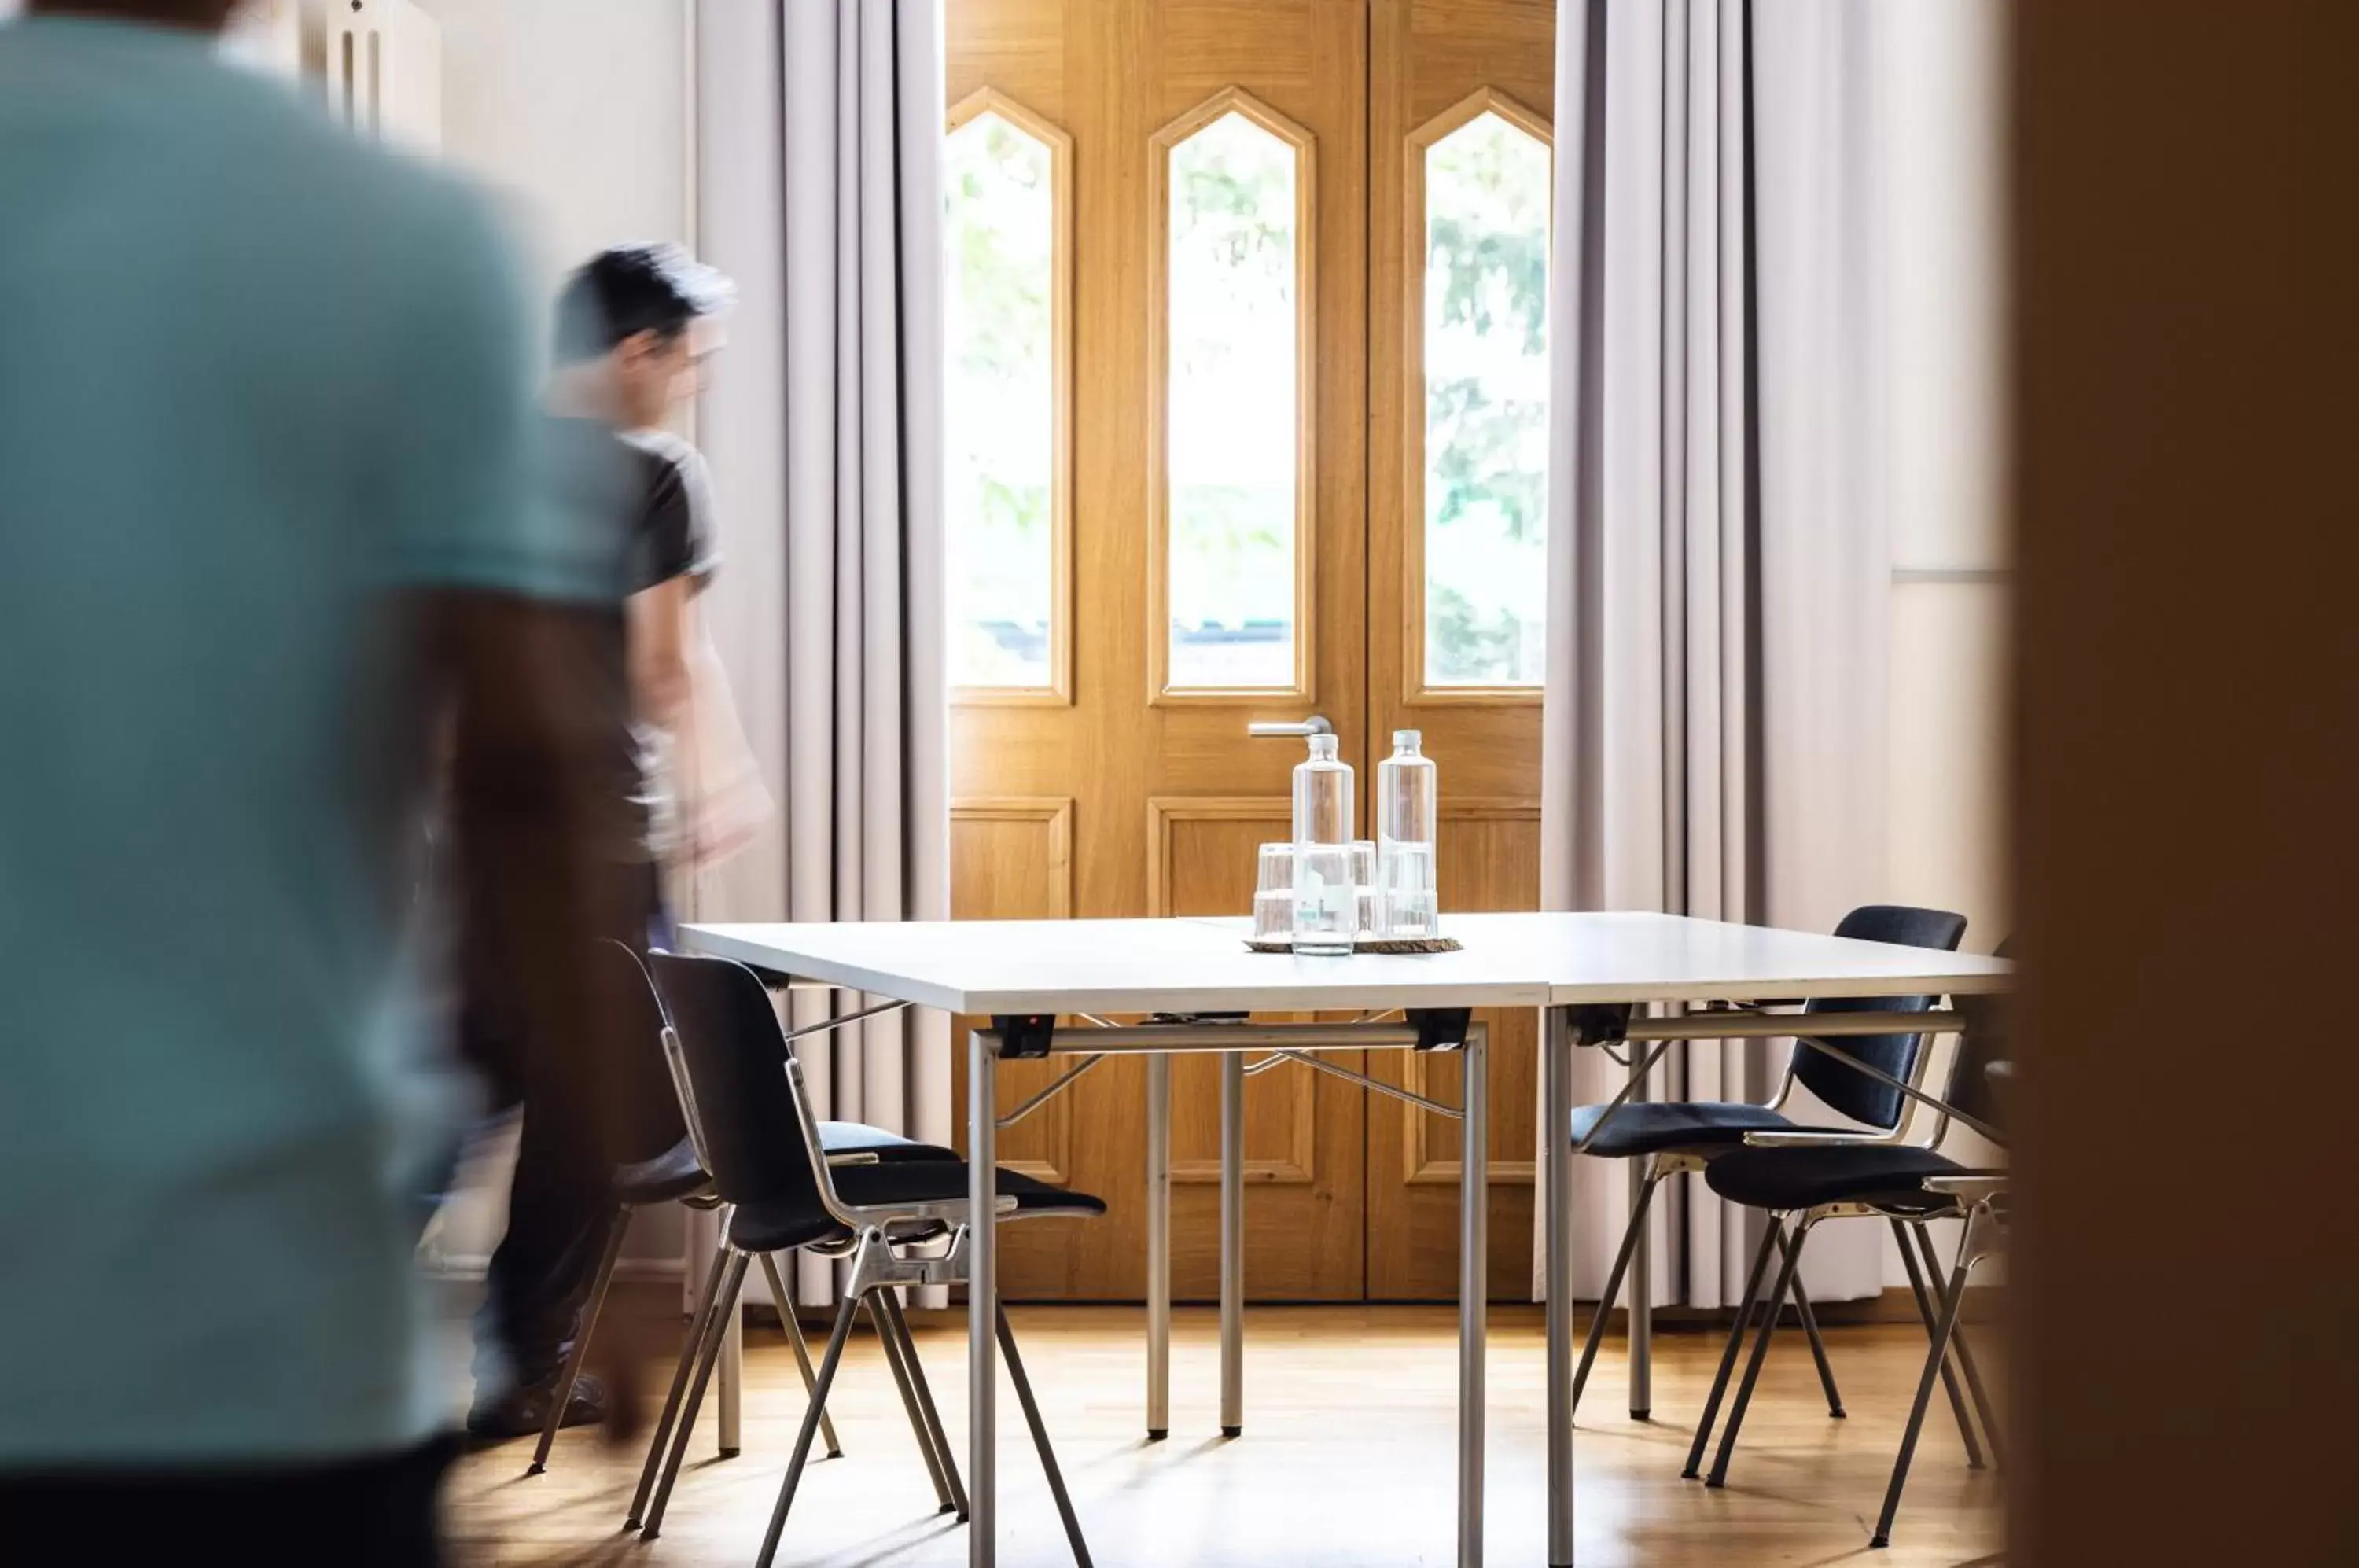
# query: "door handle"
1315 724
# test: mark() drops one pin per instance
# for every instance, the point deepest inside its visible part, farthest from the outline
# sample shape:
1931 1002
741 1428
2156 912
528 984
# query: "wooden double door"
1248 421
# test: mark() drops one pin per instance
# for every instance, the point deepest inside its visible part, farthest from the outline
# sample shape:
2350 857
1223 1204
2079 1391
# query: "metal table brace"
1232 1039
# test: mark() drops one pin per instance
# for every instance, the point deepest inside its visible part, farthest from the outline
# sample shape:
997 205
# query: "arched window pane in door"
1486 383
1002 439
1232 411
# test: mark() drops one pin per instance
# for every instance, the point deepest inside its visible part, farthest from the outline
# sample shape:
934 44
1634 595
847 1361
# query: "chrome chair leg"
931 1433
826 1366
1817 1347
1773 1303
1926 1310
715 1329
786 1301
1613 1288
1041 1440
895 1364
572 1369
1771 1240
661 1436
1963 1350
1937 1360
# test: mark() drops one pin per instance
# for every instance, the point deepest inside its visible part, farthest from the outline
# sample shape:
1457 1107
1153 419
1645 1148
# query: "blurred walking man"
632 324
266 519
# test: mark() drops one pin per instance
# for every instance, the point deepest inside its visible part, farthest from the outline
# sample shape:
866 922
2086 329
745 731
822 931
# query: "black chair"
678 1175
1908 1185
895 1223
1669 1137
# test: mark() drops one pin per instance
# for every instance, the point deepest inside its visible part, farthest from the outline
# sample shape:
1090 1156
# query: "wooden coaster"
1377 945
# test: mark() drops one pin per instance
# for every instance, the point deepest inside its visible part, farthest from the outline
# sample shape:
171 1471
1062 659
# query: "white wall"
576 111
1944 328
576 114
1944 476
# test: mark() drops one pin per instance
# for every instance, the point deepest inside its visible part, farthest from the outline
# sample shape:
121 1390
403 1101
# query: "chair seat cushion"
675 1174
671 1175
775 1226
1650 1126
1887 1176
859 1137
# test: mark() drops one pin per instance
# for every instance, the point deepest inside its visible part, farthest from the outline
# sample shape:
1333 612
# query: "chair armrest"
1800 1137
1974 1186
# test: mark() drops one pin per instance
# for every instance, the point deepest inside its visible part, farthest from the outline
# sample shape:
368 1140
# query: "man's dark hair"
628 289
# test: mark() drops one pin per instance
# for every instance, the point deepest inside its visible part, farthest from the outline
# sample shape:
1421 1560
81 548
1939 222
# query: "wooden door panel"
1435 64
1163 799
1203 850
1282 1126
1489 860
1302 1171
1297 68
1011 858
1168 796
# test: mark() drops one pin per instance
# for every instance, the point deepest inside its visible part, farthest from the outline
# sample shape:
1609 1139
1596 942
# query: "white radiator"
382 72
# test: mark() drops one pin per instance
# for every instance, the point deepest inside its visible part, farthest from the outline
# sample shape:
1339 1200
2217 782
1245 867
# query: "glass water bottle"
1326 901
1408 908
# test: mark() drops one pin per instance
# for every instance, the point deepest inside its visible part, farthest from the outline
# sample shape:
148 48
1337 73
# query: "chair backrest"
1982 1042
654 1120
645 1019
735 1054
1853 1094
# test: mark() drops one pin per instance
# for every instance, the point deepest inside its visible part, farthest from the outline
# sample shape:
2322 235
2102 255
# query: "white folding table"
1592 974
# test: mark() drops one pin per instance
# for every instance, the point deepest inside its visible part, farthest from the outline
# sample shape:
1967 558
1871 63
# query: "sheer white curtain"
1715 734
820 192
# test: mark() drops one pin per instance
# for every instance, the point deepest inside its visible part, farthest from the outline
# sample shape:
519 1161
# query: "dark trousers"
364 1513
560 1209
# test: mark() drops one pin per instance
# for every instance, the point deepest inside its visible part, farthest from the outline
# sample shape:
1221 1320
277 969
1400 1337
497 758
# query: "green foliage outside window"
1232 411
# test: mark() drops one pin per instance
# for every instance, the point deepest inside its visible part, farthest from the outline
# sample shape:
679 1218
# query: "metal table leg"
1233 1244
732 1379
1473 1290
1158 1248
983 1302
1556 1180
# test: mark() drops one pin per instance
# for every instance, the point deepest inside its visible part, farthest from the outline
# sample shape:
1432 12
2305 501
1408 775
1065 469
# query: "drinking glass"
1326 907
1273 894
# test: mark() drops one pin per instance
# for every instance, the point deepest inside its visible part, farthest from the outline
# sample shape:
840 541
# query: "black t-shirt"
637 504
673 537
643 495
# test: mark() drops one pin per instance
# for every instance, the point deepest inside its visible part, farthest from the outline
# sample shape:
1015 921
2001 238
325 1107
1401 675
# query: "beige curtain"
1715 737
820 192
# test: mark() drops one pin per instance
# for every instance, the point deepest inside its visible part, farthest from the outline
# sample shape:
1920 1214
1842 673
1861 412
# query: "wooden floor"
1346 1458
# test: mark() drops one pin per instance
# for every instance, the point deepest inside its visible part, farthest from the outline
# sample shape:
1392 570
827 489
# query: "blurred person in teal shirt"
270 531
